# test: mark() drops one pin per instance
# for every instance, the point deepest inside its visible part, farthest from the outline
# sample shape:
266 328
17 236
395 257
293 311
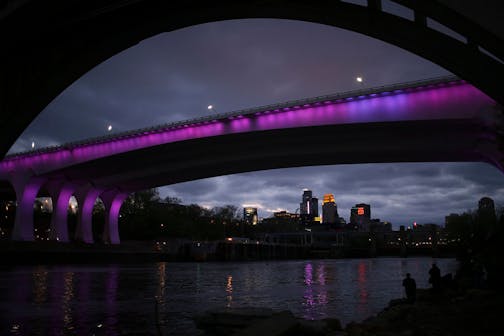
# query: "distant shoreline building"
250 215
360 217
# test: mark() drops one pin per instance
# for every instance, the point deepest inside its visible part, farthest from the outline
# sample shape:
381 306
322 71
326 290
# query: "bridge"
72 37
441 119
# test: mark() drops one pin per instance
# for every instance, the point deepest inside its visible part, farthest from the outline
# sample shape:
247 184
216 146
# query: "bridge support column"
26 191
113 201
86 197
60 193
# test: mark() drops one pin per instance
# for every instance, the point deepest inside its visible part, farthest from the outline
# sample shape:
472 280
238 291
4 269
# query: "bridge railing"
271 108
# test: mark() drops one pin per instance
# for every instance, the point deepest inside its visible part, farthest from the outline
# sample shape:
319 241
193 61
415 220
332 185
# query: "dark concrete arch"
50 46
7 209
7 191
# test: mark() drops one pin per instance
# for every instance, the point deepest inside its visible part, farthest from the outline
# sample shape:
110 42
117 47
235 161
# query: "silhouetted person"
435 278
479 274
410 286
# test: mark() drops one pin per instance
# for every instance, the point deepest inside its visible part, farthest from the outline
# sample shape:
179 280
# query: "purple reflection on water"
308 276
315 294
308 294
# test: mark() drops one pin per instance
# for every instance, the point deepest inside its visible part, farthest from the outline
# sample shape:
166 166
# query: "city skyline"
245 63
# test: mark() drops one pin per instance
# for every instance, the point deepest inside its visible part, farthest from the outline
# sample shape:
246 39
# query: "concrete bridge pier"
61 192
113 201
86 197
26 188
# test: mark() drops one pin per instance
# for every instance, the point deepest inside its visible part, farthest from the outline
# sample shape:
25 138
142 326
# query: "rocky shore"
472 312
468 312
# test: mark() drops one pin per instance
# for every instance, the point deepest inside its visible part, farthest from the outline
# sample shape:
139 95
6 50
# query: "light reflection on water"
126 299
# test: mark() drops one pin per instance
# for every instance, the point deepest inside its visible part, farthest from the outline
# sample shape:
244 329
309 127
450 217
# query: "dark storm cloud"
246 63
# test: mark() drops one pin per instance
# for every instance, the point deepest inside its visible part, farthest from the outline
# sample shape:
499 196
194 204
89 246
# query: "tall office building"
329 210
308 208
304 206
250 215
309 204
360 216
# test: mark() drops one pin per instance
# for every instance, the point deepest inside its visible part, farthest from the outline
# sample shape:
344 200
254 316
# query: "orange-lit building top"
328 198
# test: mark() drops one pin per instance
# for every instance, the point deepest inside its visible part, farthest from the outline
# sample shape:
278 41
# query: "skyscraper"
308 208
250 215
309 204
329 210
360 216
304 206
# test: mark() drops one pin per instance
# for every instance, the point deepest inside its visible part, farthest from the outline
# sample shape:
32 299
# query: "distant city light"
33 144
210 107
109 128
359 79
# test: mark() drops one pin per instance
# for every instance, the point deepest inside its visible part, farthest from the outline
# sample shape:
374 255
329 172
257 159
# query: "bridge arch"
8 207
43 214
83 35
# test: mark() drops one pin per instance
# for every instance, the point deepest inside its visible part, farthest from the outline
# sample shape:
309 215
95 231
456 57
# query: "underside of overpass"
51 44
406 141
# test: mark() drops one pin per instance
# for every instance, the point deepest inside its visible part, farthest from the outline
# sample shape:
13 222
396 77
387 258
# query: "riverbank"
50 252
471 312
32 253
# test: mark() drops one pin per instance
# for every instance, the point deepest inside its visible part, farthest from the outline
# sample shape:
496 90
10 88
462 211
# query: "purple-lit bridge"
443 119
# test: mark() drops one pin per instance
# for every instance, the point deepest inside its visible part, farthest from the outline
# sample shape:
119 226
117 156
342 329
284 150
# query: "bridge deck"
272 108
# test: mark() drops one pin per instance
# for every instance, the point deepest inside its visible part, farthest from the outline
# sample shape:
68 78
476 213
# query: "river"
120 299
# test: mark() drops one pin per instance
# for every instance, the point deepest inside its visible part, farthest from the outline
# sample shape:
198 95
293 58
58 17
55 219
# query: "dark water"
120 299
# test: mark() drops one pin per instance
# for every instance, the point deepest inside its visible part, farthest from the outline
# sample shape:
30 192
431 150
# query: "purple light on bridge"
439 102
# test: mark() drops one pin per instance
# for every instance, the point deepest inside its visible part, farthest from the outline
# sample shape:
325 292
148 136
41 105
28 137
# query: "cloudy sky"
246 63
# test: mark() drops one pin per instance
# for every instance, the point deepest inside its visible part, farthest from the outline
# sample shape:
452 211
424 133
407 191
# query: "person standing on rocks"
409 285
435 278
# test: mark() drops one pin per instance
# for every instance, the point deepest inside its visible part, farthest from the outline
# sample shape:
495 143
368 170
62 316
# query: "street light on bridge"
211 108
